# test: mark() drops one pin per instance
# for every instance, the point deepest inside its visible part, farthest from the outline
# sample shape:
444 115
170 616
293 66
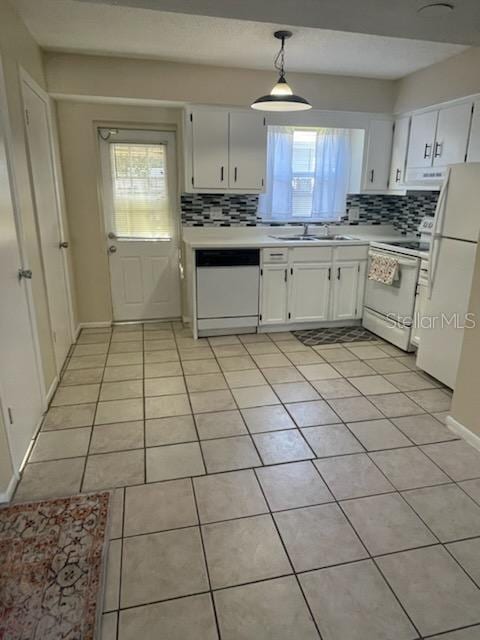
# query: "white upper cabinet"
210 149
399 153
248 143
225 151
452 135
422 139
473 154
379 149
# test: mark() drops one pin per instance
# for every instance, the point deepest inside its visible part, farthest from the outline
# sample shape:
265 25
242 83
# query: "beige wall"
455 77
17 48
108 77
466 399
77 123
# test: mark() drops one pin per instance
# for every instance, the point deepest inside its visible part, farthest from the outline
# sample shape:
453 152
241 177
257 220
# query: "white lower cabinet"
348 290
313 286
309 292
273 294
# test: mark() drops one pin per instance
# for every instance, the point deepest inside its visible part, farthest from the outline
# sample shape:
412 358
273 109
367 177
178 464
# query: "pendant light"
281 97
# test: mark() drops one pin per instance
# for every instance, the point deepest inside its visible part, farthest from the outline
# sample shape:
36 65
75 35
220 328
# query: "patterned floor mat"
331 335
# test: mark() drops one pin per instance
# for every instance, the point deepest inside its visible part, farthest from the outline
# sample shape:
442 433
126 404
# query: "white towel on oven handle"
383 269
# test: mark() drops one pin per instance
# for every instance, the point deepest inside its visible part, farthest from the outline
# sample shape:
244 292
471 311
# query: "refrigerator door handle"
436 233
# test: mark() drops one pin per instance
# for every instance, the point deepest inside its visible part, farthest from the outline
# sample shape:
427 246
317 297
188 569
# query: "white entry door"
53 244
141 222
21 389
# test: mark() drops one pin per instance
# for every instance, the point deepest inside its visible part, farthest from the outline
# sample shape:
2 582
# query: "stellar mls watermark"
441 321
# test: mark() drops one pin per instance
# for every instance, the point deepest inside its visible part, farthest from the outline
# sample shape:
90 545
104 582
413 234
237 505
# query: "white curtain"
333 159
308 176
276 202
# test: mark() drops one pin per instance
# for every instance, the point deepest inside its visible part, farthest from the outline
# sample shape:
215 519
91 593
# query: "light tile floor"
265 489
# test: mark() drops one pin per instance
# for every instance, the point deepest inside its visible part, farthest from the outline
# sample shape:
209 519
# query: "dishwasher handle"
227 257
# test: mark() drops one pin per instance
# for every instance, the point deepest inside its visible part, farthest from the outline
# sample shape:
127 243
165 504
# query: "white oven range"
389 309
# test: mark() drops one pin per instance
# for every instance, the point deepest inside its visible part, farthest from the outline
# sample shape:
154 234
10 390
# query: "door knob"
112 249
24 273
63 245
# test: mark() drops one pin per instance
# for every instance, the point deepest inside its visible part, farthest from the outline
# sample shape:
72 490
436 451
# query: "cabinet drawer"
275 255
351 253
312 254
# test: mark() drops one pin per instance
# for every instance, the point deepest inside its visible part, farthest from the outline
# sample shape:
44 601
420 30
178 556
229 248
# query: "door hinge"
10 415
27 116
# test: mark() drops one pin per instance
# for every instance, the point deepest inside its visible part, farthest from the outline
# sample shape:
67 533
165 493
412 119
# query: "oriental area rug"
52 557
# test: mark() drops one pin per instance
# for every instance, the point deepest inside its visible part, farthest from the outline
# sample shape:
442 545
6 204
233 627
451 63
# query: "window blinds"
141 206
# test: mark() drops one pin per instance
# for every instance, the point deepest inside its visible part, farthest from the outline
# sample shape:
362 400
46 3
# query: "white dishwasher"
227 290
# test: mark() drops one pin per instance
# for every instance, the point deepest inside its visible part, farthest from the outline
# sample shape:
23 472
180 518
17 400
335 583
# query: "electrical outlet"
353 214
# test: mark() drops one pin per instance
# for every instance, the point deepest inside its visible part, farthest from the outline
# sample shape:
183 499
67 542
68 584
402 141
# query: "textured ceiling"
88 27
397 18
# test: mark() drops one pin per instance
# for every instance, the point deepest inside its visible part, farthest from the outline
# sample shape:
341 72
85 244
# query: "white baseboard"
458 429
94 325
6 495
51 391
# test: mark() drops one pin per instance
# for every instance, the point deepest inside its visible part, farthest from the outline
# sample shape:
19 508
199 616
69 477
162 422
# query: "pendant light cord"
279 61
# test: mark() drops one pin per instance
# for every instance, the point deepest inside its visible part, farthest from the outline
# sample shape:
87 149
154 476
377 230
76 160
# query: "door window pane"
141 205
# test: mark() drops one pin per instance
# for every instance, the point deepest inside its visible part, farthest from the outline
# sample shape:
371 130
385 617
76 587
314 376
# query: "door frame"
26 79
105 204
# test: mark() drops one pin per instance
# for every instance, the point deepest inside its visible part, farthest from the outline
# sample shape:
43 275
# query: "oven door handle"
436 233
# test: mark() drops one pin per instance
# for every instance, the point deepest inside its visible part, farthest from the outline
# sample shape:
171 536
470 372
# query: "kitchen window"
308 174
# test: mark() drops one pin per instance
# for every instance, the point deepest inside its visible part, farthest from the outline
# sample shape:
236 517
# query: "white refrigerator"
452 256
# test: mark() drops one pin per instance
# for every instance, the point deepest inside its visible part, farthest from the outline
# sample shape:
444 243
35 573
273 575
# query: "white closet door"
48 218
21 389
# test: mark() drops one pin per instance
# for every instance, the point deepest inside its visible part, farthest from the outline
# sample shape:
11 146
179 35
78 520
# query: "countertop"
260 237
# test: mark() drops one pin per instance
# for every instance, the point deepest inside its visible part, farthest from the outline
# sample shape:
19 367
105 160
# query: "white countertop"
261 236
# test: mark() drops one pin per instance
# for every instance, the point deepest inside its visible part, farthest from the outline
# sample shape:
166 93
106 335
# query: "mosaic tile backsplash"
226 210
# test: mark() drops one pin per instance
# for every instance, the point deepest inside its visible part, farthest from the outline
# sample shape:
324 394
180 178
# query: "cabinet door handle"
427 152
398 175
235 174
372 175
222 169
286 274
338 273
329 273
438 149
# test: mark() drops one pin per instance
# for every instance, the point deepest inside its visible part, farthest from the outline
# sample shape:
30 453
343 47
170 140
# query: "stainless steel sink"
312 238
